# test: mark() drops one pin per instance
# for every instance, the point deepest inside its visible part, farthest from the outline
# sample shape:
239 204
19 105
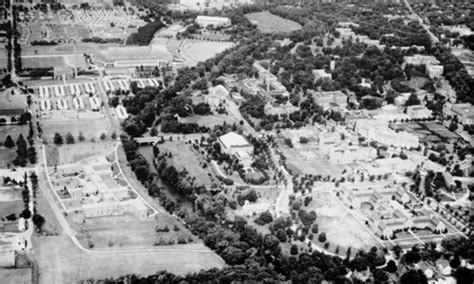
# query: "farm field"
182 157
196 50
60 261
269 23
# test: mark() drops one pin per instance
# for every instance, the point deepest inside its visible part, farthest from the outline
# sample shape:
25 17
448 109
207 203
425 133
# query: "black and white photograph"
236 141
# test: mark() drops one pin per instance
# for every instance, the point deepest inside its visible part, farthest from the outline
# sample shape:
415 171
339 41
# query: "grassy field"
182 157
11 207
126 232
89 127
17 276
269 23
6 157
43 62
196 50
13 131
51 225
340 227
69 154
60 261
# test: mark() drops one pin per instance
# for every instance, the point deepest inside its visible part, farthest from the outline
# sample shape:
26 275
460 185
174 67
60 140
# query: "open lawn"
17 276
269 23
73 153
64 48
182 157
6 157
340 227
307 161
91 128
60 261
127 232
13 131
198 50
51 225
43 62
11 207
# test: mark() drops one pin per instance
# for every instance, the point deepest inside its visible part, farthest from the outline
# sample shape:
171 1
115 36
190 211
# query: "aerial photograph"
236 141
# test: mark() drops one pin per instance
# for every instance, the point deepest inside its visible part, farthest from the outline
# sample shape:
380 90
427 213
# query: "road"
282 204
434 39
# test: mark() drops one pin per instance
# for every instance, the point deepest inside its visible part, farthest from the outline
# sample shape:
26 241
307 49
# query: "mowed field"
70 154
128 232
61 261
269 23
200 50
182 157
91 128
16 276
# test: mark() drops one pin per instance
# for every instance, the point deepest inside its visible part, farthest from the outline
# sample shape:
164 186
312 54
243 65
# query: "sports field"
269 23
61 261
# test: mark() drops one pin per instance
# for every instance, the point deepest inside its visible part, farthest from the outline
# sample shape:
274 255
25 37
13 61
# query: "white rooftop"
233 139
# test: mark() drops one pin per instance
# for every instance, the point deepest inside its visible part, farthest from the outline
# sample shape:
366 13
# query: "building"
12 103
264 74
217 96
419 111
231 143
100 209
365 83
383 134
205 21
435 71
464 112
125 57
236 145
200 5
330 99
348 154
419 60
321 74
279 109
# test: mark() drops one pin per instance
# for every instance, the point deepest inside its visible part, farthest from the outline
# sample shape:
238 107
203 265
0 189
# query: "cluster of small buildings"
270 81
340 151
463 111
90 187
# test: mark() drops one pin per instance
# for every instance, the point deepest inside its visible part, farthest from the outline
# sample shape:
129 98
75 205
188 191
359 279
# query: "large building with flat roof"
133 57
205 21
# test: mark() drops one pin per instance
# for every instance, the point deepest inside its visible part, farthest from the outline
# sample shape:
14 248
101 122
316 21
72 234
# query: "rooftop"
233 139
112 54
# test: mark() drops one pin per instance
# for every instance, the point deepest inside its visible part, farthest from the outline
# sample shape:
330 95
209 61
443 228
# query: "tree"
113 135
32 155
414 277
9 143
103 136
81 137
264 218
69 138
294 249
281 235
322 237
38 221
58 139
